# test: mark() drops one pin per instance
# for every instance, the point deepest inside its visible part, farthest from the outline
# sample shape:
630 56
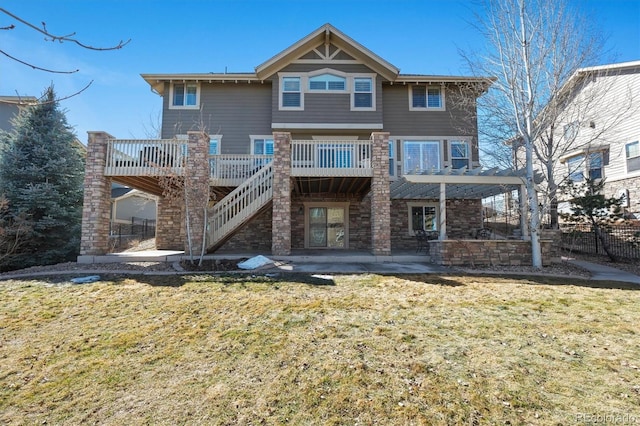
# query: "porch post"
380 195
281 218
524 222
97 197
196 181
169 219
443 211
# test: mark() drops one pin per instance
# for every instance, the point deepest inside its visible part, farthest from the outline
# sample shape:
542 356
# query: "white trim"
427 107
352 78
186 83
264 137
329 126
303 82
334 138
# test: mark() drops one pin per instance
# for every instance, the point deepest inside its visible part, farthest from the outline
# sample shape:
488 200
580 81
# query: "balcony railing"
308 158
138 157
331 158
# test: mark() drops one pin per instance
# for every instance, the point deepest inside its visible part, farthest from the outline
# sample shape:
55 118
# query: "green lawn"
353 349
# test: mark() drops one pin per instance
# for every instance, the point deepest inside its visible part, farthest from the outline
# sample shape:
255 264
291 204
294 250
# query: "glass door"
326 227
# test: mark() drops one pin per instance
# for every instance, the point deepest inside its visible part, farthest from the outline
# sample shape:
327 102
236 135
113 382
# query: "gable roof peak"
327 34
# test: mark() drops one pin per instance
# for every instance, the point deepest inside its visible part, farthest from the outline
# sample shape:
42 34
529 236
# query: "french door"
326 227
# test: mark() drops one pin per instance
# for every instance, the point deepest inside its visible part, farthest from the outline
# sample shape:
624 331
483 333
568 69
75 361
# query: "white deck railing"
234 169
156 157
331 158
242 203
138 157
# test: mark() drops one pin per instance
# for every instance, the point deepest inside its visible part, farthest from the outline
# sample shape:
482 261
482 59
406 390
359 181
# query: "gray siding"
7 112
327 107
234 110
399 120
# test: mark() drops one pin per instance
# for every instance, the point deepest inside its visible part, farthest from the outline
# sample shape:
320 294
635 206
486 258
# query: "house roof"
327 35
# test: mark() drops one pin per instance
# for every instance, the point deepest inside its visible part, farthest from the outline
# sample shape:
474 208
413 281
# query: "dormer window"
327 82
185 95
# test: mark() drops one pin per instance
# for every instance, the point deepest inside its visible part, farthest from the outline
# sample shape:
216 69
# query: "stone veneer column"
281 221
197 188
97 197
169 228
380 196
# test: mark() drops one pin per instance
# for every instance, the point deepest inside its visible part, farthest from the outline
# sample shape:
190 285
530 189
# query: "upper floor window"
576 168
421 155
291 93
425 97
327 82
570 131
363 93
594 163
459 154
632 154
392 159
185 95
214 146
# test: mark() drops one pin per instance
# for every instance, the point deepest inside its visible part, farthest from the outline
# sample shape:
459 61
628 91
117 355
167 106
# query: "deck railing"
233 169
331 158
157 157
242 203
139 157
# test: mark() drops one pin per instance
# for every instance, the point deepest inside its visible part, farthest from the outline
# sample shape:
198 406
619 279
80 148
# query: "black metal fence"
137 229
623 240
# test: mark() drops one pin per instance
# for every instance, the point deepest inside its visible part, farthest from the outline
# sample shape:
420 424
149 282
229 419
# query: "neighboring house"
597 132
324 146
128 204
10 107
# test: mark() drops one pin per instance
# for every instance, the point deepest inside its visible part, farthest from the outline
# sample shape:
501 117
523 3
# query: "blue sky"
417 36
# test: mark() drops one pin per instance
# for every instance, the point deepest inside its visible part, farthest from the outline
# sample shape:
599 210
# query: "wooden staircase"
239 207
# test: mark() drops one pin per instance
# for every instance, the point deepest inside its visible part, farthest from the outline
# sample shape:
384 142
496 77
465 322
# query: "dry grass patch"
353 349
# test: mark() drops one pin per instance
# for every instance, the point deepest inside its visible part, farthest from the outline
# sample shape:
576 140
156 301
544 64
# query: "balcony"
309 158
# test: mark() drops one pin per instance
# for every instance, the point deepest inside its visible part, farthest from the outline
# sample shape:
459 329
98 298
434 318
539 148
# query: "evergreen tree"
589 206
41 177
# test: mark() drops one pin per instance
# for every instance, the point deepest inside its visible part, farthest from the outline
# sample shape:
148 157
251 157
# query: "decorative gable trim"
328 44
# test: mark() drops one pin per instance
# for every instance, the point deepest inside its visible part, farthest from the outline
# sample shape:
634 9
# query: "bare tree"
533 47
48 36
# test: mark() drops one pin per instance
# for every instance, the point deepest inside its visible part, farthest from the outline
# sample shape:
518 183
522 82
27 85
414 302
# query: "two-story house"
594 132
325 145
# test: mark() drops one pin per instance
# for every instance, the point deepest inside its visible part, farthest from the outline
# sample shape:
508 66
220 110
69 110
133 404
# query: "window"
213 146
392 161
570 131
423 216
184 95
421 155
459 154
326 225
591 163
291 94
262 146
576 167
363 93
425 97
595 165
327 82
632 154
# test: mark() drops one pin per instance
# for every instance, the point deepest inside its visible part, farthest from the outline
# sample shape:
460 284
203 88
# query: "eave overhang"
157 81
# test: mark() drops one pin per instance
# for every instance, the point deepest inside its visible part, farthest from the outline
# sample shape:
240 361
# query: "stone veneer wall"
255 236
380 195
170 232
633 186
281 220
463 217
97 197
488 252
197 186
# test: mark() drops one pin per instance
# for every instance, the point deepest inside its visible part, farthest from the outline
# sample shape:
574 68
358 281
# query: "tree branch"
35 67
63 38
